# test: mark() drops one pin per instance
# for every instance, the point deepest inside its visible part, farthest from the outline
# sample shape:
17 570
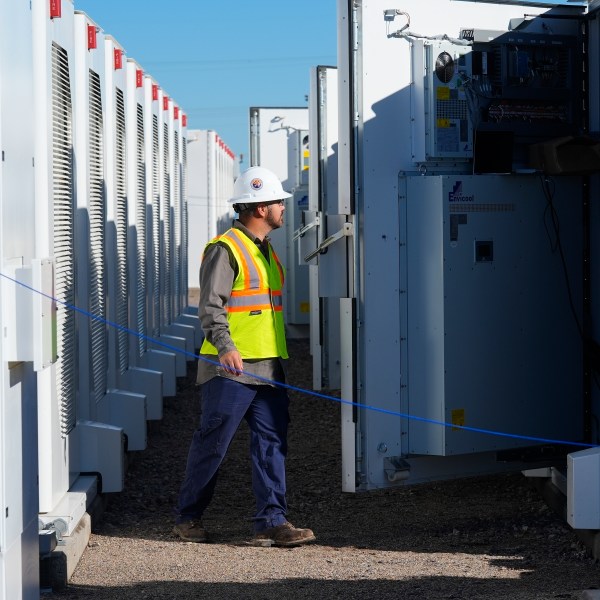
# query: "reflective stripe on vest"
241 301
250 270
255 306
256 295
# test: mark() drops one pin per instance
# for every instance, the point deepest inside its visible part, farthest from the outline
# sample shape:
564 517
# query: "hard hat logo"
257 184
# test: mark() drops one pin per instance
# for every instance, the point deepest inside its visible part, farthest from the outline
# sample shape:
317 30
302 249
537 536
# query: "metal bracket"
52 534
300 232
345 231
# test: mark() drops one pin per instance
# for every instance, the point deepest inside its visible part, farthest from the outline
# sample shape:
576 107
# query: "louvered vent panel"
166 275
184 221
97 216
63 213
121 226
177 228
156 227
140 213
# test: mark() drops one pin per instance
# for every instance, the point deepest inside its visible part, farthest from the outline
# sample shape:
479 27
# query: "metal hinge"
300 232
345 231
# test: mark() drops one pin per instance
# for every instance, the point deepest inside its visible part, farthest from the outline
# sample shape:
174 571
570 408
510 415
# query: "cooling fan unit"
444 67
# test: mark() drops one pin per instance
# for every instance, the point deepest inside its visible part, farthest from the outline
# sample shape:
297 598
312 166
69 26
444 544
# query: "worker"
240 311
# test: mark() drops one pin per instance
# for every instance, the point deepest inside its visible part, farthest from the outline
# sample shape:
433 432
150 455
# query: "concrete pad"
65 557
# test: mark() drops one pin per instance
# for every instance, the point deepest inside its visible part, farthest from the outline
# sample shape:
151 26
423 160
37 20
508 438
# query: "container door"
460 335
323 177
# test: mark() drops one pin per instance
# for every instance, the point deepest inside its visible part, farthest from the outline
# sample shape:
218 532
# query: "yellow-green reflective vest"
255 307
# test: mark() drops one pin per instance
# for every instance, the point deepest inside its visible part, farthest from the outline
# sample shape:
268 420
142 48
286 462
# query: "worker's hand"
232 362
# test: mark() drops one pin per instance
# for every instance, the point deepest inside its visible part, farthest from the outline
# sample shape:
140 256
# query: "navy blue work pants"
224 403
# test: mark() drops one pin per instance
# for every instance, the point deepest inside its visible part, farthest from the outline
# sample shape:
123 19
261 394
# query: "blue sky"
218 58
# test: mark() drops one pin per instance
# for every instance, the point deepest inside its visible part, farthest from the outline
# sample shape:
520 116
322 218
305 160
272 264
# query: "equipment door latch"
345 231
300 232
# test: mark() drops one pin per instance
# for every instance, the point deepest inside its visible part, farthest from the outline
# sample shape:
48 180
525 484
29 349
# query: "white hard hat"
255 185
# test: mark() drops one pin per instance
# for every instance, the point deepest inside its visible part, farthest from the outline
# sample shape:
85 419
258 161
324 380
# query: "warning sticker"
458 418
443 93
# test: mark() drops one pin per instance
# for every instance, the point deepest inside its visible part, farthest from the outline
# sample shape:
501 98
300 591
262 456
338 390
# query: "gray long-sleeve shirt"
217 274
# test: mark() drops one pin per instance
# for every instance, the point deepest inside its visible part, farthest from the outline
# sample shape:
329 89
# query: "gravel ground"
485 537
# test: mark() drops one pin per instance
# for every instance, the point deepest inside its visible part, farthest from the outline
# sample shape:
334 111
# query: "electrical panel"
441 122
492 98
524 88
488 339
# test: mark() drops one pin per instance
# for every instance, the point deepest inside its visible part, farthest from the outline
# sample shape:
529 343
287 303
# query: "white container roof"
541 3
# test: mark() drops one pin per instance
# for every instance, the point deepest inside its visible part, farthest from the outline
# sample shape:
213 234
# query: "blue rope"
368 407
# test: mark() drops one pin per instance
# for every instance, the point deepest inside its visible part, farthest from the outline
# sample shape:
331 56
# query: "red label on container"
176 112
55 9
118 58
92 43
165 102
139 77
154 91
184 120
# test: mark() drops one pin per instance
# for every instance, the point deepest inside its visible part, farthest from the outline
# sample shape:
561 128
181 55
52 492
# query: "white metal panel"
324 311
226 173
439 109
158 195
210 185
116 205
136 193
185 217
127 410
153 201
91 216
212 182
375 126
594 104
540 3
30 332
480 284
177 213
53 51
198 202
121 237
103 451
583 489
131 415
297 295
63 232
166 258
272 133
19 496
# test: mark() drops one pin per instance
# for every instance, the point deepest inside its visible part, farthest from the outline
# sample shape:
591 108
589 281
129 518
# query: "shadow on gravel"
457 588
500 516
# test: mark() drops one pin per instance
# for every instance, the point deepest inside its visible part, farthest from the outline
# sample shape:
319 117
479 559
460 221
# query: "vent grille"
63 217
166 217
97 216
156 228
452 109
177 227
121 227
141 232
184 221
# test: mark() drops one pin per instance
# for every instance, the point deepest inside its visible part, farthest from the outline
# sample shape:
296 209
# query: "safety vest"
255 307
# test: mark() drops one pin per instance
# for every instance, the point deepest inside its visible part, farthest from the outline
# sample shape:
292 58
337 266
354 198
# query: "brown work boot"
283 535
191 531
